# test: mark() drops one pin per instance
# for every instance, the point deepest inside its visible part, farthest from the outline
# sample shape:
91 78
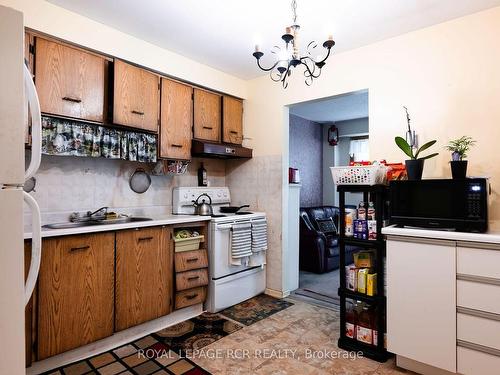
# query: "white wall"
56 21
447 75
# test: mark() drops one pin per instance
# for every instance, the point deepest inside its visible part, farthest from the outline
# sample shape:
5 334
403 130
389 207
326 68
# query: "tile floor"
298 340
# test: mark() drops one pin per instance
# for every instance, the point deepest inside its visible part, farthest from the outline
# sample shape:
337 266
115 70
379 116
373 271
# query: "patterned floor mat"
255 309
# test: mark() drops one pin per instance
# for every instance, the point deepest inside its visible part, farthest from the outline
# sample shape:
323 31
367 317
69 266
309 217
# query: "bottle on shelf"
370 213
365 326
361 211
202 176
350 320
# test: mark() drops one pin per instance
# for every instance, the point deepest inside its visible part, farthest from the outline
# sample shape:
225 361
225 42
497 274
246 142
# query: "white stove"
229 283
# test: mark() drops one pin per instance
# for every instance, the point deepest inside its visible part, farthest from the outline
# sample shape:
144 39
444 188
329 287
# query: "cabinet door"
207 115
69 81
232 121
421 301
135 97
144 271
28 57
75 292
29 318
176 120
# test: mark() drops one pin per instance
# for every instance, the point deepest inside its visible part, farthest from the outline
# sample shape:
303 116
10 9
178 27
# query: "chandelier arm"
308 72
267 69
326 57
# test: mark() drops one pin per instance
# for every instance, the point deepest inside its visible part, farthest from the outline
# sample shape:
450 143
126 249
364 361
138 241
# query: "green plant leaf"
404 146
430 156
424 147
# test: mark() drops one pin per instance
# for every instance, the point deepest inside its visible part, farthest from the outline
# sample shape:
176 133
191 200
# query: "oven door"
220 248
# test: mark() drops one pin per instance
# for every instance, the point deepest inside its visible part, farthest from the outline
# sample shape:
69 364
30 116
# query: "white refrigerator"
17 93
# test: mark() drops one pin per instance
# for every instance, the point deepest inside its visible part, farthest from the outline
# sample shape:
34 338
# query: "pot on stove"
203 208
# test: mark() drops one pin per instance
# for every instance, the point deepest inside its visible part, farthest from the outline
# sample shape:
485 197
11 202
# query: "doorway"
324 133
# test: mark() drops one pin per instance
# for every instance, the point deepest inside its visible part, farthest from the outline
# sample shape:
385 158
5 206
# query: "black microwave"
460 205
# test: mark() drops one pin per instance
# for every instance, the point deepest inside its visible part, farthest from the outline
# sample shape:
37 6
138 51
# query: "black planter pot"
458 169
414 168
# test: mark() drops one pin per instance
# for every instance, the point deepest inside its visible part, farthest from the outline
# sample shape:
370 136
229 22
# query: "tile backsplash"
65 184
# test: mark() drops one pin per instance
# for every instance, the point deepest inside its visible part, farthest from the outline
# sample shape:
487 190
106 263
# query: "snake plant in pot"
415 165
459 149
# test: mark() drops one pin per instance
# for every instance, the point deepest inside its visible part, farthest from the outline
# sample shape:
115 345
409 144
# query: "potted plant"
415 165
459 149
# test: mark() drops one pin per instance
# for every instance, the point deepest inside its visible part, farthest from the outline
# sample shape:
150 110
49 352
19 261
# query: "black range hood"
204 149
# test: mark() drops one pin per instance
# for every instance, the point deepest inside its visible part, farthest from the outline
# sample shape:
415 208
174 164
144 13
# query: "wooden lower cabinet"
30 311
144 275
75 292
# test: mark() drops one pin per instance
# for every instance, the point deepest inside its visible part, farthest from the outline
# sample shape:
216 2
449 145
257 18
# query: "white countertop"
492 236
157 220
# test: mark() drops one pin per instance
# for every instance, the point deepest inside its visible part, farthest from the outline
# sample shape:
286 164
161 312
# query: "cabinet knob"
176 145
140 113
208 127
191 260
145 238
191 296
192 278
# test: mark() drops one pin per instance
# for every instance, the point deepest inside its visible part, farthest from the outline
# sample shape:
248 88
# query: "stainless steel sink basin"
79 224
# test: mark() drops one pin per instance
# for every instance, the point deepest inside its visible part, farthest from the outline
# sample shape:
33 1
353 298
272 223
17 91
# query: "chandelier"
289 56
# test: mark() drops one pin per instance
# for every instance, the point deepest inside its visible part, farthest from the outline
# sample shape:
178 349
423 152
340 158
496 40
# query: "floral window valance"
66 137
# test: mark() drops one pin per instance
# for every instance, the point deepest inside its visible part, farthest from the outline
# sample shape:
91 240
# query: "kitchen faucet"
96 215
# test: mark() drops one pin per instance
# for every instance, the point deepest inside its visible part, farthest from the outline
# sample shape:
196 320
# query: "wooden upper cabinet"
75 292
232 121
144 275
207 115
69 81
136 97
176 120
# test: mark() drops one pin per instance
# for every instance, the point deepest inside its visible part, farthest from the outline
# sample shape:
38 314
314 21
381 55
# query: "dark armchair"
319 251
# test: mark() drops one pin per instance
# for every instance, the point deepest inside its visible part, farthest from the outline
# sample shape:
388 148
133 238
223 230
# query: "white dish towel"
259 235
241 243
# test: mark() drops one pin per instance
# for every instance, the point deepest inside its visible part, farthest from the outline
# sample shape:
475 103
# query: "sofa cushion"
332 246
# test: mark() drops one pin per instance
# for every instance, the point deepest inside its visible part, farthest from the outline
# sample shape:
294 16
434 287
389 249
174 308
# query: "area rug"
255 309
196 333
141 357
164 352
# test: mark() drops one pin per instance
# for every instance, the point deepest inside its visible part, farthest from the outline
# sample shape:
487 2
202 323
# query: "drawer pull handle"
176 145
70 99
192 278
191 260
79 248
192 296
233 132
145 238
140 113
208 127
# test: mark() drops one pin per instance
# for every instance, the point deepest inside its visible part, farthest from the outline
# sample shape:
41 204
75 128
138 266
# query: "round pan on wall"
140 181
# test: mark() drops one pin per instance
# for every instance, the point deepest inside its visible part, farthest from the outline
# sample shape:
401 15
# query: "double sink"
78 224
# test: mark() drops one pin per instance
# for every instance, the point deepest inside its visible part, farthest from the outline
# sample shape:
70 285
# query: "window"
358 149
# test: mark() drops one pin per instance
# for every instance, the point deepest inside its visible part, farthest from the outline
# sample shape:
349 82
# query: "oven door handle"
224 227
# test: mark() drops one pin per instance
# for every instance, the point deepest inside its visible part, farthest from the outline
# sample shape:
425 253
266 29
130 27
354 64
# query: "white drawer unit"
474 360
478 260
478 295
482 329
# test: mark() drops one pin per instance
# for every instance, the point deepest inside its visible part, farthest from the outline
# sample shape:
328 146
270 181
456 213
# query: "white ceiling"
337 108
222 33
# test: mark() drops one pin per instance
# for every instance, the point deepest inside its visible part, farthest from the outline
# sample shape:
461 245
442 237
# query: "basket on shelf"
359 175
188 244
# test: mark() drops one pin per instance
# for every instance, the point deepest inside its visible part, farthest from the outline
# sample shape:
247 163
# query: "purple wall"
306 154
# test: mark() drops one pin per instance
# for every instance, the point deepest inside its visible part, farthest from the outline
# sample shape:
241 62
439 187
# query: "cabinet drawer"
191 260
477 330
191 279
478 262
190 297
473 362
478 296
